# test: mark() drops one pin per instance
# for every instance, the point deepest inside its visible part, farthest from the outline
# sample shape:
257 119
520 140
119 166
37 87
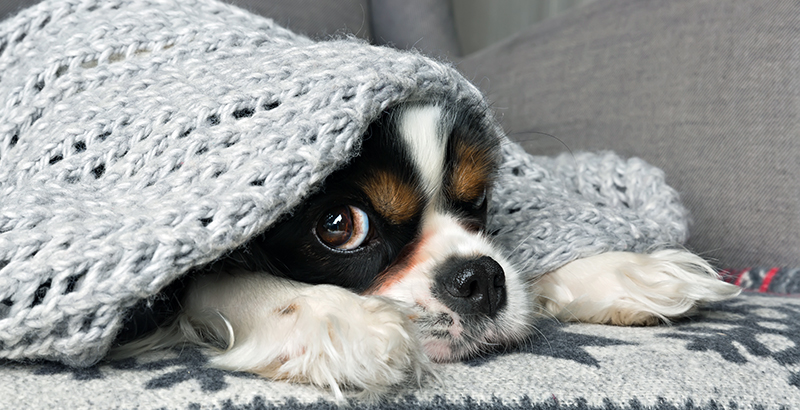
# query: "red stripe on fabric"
767 279
741 276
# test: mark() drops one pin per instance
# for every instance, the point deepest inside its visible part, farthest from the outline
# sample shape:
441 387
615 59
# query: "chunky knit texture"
142 138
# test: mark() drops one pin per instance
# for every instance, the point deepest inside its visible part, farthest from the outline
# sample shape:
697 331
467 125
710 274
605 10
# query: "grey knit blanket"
142 138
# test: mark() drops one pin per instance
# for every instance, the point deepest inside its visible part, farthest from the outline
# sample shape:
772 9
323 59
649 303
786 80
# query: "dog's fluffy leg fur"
285 330
624 288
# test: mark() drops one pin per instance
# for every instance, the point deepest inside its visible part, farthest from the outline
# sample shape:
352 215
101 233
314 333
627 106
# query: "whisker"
540 133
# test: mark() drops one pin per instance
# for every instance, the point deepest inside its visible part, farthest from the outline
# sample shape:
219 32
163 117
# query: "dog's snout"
475 285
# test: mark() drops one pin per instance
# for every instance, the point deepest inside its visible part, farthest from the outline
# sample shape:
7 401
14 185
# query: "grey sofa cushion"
706 90
426 25
317 19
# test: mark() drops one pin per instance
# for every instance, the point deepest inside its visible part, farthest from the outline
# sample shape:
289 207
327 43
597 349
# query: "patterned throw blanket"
742 354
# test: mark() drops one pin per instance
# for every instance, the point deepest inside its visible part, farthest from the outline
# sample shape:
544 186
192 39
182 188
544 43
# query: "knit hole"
41 293
14 140
103 136
258 182
243 113
206 221
72 179
517 171
98 171
5 307
186 133
79 146
310 140
271 105
201 150
35 117
511 211
39 86
347 97
213 120
61 70
56 158
116 57
44 22
20 37
87 324
72 282
89 64
3 262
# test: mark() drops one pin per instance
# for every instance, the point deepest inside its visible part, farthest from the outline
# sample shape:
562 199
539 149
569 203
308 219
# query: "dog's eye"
343 227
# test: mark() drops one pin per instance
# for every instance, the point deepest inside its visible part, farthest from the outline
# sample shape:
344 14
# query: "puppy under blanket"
142 138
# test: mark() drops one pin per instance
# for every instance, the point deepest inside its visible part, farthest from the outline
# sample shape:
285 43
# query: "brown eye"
343 227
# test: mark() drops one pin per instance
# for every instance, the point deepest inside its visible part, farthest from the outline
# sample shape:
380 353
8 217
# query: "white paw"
330 337
623 288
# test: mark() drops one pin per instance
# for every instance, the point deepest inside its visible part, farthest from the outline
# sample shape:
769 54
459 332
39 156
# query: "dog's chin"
456 342
446 336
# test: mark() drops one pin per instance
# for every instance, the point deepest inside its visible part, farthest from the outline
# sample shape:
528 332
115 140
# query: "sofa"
704 90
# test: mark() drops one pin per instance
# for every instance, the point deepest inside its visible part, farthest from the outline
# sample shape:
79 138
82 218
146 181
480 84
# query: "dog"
389 266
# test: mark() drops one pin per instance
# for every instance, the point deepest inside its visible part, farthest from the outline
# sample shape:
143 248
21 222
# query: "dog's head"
407 220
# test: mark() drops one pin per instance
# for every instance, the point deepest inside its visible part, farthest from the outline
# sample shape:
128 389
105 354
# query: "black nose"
474 285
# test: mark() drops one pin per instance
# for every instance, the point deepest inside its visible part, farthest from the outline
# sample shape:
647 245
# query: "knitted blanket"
142 138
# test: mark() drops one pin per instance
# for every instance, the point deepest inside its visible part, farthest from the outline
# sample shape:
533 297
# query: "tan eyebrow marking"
471 173
395 199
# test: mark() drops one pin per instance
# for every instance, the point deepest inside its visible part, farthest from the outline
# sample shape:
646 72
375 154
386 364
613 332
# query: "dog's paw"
333 338
624 288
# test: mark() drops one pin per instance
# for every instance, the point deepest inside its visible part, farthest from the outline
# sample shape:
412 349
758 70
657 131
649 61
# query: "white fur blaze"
420 128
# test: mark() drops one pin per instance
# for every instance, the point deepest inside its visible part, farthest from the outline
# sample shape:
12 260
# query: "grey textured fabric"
706 90
142 138
426 25
743 354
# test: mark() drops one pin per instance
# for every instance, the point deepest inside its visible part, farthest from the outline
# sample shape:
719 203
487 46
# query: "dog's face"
407 220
